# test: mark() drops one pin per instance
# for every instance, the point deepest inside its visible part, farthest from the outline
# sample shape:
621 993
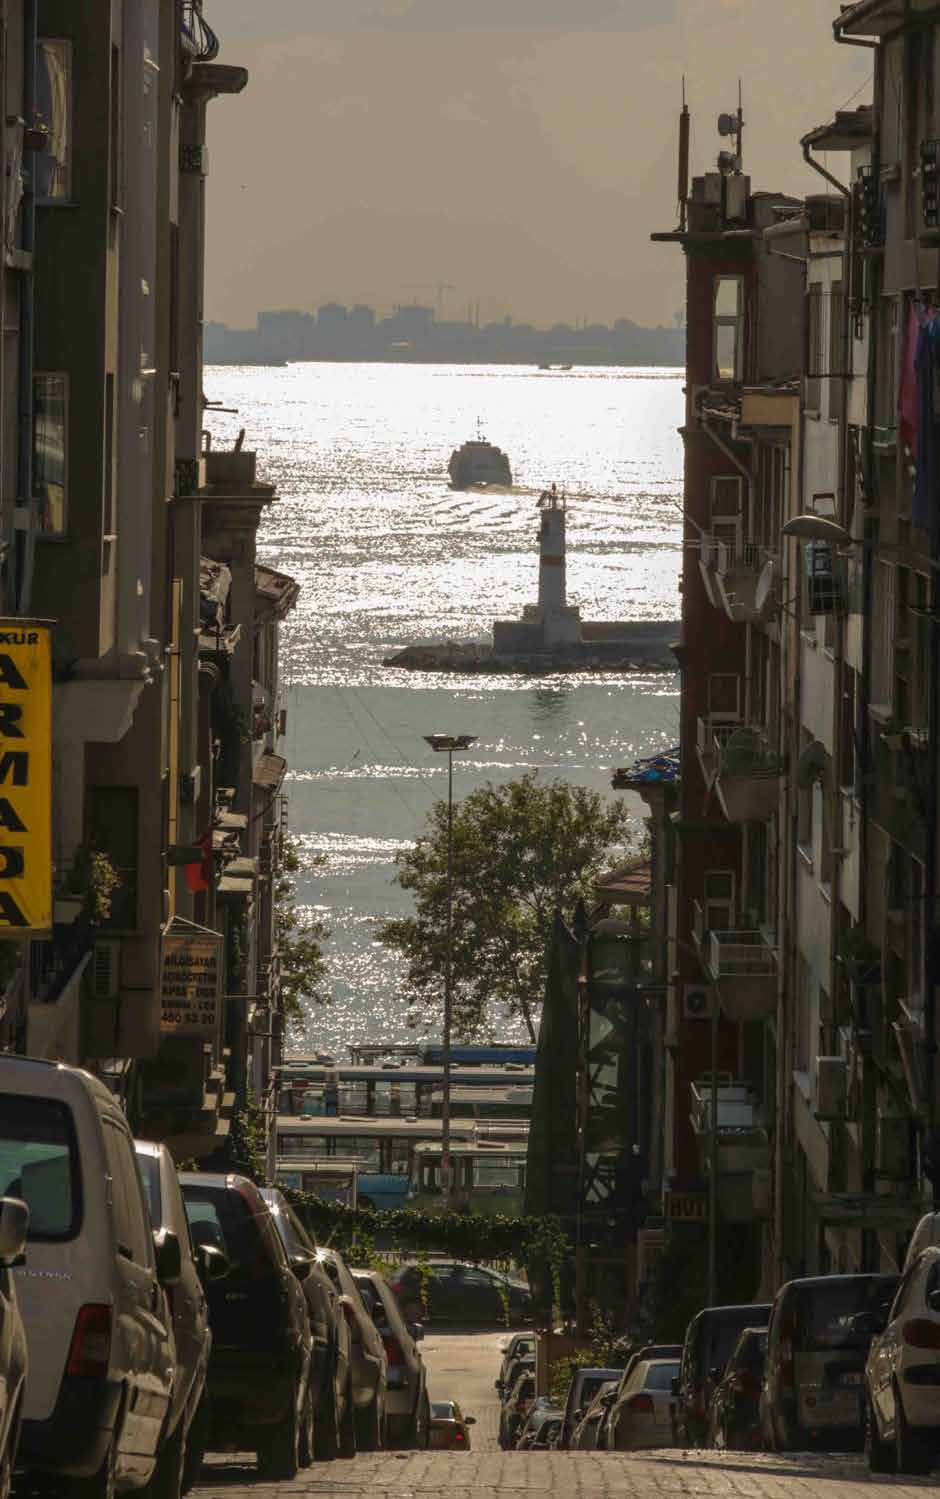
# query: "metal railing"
747 751
740 954
197 34
739 557
713 735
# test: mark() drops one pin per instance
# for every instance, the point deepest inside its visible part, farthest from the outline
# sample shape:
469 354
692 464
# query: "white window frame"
728 320
64 43
43 533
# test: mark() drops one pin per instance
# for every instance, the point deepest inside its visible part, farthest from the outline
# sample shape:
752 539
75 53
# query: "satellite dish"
763 594
727 124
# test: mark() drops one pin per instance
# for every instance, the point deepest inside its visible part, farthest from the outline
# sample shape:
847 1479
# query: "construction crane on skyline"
438 287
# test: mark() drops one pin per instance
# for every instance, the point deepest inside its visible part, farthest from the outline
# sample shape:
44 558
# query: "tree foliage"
521 851
300 941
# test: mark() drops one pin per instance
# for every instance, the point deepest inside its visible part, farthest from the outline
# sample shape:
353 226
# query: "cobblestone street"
479 1475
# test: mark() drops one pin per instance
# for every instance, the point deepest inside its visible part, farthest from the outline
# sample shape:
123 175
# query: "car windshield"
442 1410
720 1335
823 1315
39 1164
222 1219
660 1376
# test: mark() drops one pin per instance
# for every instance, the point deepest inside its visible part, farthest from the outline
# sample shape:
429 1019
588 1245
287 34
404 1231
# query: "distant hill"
413 334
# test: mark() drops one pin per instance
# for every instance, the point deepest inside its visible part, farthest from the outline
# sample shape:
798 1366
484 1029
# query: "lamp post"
448 744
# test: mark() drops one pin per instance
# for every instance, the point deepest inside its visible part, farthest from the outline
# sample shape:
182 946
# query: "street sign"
685 1207
191 980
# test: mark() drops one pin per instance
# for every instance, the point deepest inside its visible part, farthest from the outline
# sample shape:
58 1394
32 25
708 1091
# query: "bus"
383 1149
310 1088
335 1180
488 1176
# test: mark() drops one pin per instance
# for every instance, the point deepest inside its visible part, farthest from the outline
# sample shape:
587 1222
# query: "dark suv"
333 1433
709 1340
261 1352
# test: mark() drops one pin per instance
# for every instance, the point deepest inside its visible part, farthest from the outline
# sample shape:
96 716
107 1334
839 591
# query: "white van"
101 1352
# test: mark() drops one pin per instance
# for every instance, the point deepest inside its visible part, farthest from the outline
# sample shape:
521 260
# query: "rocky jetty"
475 656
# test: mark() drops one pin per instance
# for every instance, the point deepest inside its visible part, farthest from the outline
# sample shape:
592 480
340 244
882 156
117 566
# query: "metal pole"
713 1163
448 987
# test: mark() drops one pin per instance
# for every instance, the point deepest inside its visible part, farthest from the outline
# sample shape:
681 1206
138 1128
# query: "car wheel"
913 1451
347 1426
279 1448
369 1426
100 1485
881 1455
326 1426
306 1437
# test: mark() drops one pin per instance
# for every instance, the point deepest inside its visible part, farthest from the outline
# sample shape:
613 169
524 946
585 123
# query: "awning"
236 888
269 771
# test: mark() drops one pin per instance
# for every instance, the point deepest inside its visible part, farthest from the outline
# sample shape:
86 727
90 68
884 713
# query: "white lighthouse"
561 623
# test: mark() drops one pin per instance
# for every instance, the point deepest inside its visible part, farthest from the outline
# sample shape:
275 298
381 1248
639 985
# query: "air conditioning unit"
831 1087
696 1002
106 968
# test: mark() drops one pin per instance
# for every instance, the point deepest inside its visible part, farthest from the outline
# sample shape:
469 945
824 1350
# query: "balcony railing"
737 954
742 1147
730 571
713 734
198 37
748 775
739 557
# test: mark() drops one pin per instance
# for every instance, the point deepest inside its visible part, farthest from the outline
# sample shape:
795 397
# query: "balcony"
730 571
714 731
748 776
743 1145
743 965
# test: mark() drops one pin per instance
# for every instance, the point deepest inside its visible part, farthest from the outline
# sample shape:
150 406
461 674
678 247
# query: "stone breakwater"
650 652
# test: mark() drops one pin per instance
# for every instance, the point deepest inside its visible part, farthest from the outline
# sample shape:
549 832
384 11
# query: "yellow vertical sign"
25 777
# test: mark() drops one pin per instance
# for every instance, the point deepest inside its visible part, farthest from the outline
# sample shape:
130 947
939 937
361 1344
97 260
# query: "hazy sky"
520 150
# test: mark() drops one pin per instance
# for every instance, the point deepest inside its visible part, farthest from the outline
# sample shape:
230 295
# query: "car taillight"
641 1403
393 1353
90 1349
458 1435
920 1333
785 1362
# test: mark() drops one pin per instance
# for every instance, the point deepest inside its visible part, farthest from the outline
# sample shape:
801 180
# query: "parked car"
515 1409
734 1414
14 1361
537 1410
261 1341
925 1236
641 1413
902 1374
584 1385
648 1351
184 1437
817 1345
452 1291
450 1428
520 1345
333 1426
368 1362
545 1439
98 1330
709 1339
586 1433
408 1411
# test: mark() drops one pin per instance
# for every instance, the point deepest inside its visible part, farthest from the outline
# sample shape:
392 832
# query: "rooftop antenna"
684 135
732 124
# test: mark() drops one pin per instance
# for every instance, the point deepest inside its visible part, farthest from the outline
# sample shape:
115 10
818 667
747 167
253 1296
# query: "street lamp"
448 744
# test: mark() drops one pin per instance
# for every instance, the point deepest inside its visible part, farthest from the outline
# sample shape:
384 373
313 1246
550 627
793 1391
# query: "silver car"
408 1412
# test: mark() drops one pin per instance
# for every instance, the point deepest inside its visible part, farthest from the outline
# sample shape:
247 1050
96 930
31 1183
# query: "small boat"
479 462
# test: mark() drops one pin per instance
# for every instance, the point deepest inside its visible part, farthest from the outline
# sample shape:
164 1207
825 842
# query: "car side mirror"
211 1263
417 1331
469 1420
674 1385
169 1256
14 1226
301 1264
498 1386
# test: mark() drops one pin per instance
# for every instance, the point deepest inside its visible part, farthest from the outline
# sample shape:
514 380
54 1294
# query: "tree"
522 851
299 941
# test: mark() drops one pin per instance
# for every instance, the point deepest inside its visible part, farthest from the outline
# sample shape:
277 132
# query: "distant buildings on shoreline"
414 333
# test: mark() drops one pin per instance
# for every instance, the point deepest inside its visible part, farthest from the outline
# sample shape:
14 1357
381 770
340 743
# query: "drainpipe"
25 539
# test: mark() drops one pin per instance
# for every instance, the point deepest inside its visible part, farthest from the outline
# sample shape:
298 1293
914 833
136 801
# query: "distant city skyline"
450 310
521 151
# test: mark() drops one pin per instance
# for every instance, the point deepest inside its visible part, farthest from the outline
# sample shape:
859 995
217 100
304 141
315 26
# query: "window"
660 1376
127 1203
724 695
814 345
728 345
223 1220
50 451
495 1173
39 1164
150 1175
111 829
718 899
53 167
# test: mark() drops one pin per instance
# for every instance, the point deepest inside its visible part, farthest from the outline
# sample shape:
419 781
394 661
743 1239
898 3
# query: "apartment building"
136 548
